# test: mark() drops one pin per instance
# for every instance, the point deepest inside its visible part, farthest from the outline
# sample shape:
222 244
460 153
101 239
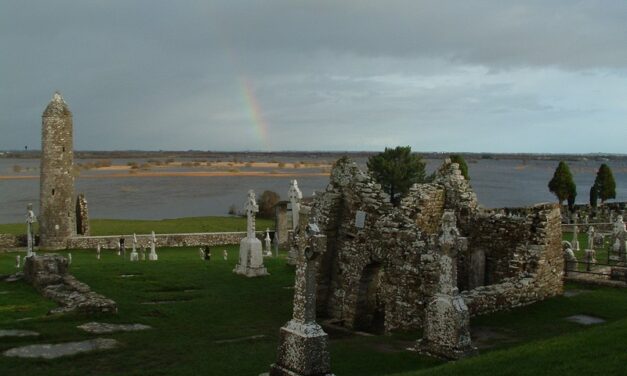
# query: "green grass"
217 305
164 226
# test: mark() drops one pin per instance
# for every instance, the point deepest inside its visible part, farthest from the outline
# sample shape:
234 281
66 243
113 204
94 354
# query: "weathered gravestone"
302 342
294 195
153 248
250 253
446 331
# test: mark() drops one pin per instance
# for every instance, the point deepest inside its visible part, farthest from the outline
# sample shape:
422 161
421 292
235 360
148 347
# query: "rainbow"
256 114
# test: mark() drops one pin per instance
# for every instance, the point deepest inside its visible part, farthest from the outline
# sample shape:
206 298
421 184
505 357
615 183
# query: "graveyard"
206 320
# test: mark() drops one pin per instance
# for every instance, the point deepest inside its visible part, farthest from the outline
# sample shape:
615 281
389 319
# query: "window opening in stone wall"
53 191
369 312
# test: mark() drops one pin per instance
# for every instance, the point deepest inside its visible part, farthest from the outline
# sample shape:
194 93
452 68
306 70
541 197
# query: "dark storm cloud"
164 74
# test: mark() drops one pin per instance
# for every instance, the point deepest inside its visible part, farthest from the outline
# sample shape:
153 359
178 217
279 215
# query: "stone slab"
234 340
17 333
52 351
103 327
14 277
585 319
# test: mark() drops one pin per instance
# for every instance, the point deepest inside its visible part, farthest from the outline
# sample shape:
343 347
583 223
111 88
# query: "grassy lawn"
164 226
215 305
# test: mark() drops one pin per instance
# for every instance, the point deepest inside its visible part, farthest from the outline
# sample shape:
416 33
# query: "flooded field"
195 188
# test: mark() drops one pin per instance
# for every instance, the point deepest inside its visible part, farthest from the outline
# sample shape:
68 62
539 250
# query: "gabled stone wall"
379 276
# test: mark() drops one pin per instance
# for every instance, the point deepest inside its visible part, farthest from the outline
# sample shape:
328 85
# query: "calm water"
498 183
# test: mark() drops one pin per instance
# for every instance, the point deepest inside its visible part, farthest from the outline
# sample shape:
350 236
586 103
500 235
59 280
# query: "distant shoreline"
304 155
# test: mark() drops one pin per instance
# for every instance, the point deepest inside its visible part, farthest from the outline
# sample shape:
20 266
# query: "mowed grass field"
218 323
164 226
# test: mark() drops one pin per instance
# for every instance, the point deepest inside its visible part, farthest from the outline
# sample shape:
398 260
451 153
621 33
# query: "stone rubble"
103 327
49 275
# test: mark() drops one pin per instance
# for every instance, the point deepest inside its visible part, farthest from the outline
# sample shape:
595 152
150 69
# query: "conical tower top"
57 106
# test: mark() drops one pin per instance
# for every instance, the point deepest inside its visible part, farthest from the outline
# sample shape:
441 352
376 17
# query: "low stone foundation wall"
619 273
506 295
12 241
163 240
49 275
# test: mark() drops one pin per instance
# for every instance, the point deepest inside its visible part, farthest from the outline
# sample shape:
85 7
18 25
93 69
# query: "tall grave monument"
250 250
294 195
302 342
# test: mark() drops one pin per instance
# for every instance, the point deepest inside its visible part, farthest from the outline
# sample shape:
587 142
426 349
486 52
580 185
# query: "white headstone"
30 219
98 251
575 238
17 261
591 237
225 254
268 243
69 259
134 254
250 261
153 248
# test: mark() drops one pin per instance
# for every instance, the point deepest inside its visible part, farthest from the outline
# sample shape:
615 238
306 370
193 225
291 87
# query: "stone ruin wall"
82 216
387 270
425 204
523 257
365 273
12 241
163 240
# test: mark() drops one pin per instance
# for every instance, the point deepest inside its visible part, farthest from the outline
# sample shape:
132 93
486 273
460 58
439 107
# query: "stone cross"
575 237
450 243
268 242
30 219
302 342
134 254
251 209
294 195
305 284
225 254
590 237
153 248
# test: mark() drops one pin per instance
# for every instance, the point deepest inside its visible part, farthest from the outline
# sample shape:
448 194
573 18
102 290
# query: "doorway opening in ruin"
369 312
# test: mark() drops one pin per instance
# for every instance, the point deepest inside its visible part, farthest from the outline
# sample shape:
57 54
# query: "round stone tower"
56 191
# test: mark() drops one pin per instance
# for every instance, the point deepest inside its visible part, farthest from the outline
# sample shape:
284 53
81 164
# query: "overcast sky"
537 76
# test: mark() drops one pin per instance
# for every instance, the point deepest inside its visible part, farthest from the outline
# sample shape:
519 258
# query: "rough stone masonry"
56 191
380 270
49 275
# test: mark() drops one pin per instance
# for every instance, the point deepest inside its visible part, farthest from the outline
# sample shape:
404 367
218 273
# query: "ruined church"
383 265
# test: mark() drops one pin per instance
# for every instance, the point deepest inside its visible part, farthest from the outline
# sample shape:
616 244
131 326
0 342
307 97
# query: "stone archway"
369 310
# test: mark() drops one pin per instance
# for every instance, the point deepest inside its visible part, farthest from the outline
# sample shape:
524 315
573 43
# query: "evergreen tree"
397 170
562 184
594 196
605 183
457 158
